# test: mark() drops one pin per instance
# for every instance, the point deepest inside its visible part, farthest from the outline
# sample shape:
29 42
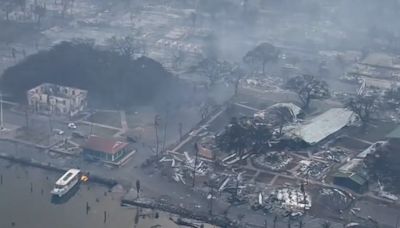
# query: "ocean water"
25 201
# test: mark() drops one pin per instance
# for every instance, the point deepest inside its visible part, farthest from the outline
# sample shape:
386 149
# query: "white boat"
66 182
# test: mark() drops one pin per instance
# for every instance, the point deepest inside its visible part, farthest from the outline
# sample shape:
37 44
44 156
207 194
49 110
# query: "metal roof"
355 177
395 134
323 125
105 145
67 177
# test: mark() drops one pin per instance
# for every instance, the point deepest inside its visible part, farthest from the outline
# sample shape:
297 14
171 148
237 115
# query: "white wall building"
54 99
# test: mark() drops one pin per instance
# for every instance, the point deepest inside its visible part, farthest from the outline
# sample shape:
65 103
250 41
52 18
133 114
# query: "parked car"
58 131
72 125
78 134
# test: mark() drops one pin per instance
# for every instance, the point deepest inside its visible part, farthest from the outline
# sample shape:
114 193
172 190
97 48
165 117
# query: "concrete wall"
53 99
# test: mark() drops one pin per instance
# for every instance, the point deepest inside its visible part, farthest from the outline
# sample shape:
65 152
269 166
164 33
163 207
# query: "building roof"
67 177
381 60
206 153
323 125
106 145
355 177
351 165
395 134
57 90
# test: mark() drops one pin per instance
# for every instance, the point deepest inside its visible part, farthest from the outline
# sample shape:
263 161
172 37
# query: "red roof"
106 145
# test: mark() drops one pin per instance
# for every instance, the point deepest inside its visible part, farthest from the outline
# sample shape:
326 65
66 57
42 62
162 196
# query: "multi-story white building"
54 99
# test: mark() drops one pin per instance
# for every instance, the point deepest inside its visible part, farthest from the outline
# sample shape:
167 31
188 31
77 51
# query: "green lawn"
107 118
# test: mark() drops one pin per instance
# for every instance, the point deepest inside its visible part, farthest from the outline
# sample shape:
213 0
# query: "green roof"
356 177
395 134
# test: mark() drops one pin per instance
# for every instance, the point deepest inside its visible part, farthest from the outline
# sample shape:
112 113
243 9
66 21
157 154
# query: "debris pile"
333 199
207 147
183 169
311 169
294 110
334 154
273 160
286 201
265 83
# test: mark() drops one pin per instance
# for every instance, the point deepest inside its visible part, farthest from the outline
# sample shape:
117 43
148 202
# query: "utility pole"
27 116
1 111
180 127
156 124
51 122
212 198
196 147
165 130
237 186
91 128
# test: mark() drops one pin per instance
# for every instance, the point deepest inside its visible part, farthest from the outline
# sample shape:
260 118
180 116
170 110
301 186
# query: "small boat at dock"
66 182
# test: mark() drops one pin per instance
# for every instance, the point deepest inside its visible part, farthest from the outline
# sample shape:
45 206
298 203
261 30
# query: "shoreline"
47 166
149 203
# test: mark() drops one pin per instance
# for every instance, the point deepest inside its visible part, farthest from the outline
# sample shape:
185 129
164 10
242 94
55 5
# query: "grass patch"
30 135
264 178
97 130
107 118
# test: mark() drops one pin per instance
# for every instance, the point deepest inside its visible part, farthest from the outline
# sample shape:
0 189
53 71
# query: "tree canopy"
213 69
383 165
244 134
262 54
307 88
111 78
363 106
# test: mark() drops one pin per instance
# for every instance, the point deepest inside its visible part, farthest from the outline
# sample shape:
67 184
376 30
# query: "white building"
324 125
54 99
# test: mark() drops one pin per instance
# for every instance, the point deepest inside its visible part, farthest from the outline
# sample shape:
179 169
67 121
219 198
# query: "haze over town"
199 113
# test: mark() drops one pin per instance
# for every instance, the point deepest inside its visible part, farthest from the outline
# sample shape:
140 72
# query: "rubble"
334 154
273 160
286 201
294 110
333 199
311 169
268 83
183 169
323 125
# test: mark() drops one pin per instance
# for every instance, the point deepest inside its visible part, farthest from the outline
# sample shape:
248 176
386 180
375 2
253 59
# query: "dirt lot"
351 144
107 118
36 137
375 131
284 181
96 130
327 202
264 178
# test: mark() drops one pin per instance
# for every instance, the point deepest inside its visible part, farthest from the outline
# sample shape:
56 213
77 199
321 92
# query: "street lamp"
1 112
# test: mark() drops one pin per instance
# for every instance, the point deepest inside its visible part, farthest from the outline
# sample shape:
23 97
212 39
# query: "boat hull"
61 192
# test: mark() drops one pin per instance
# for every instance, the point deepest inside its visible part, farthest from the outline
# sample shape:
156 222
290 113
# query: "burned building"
55 99
377 70
394 137
354 181
321 127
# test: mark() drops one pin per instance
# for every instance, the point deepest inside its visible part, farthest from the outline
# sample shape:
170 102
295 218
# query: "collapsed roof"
263 114
322 126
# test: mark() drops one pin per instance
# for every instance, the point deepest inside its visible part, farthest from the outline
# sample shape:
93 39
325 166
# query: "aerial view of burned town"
199 113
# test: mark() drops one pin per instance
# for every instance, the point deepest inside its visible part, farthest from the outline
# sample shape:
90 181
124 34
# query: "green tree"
363 106
261 55
308 88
